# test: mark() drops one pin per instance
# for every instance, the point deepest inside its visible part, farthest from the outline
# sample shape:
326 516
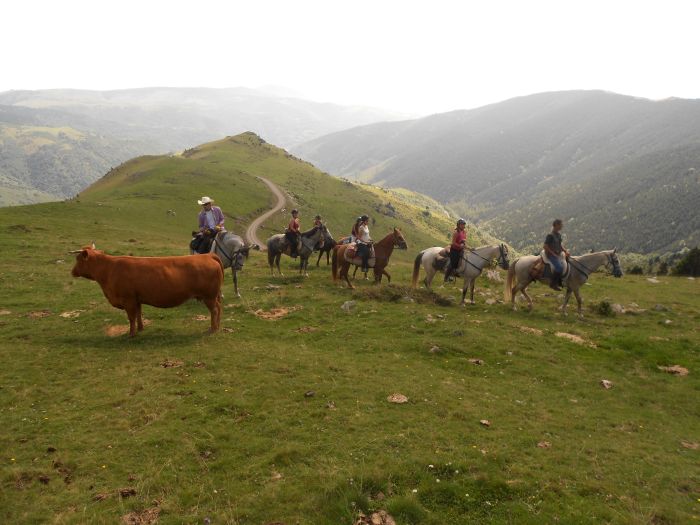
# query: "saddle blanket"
351 256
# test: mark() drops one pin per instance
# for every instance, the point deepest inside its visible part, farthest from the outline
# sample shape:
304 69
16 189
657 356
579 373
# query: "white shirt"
363 230
210 219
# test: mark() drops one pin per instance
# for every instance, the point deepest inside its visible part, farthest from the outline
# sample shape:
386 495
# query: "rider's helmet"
295 212
364 218
461 221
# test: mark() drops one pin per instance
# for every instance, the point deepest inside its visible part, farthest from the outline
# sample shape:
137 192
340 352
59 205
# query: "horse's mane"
310 232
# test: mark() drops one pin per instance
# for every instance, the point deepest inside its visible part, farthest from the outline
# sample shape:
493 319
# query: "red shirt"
293 225
459 237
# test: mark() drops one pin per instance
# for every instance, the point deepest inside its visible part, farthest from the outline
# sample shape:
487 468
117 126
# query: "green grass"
210 439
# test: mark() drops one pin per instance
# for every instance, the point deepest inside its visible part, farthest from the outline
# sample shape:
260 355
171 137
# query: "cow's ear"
84 254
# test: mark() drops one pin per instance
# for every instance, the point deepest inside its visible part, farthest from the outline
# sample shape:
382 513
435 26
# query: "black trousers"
455 258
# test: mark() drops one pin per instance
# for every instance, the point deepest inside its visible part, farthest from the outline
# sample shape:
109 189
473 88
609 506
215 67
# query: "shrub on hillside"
689 264
635 270
604 308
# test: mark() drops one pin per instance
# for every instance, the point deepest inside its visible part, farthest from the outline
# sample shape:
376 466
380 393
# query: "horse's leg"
345 271
529 299
318 262
328 257
277 262
579 301
388 277
235 282
354 272
565 302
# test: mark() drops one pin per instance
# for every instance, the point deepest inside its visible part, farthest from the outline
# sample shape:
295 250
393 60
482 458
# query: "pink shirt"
459 238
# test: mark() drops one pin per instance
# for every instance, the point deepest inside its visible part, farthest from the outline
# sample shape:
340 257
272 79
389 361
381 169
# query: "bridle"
501 257
576 265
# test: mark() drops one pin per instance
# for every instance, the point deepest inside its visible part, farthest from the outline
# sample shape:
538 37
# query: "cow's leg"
132 311
139 318
214 306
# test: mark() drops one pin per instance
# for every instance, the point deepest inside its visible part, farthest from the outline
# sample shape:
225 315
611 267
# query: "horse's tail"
416 269
510 282
270 254
334 262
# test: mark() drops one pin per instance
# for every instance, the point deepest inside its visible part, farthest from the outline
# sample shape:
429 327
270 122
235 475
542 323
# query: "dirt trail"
251 233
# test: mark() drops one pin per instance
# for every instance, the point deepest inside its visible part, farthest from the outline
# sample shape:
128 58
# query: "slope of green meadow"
287 421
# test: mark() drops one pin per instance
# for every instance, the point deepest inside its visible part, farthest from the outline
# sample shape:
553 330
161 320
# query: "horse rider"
457 246
211 222
293 233
364 242
555 253
317 221
354 232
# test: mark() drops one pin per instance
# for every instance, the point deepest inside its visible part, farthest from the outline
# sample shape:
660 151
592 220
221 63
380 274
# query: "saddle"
542 268
442 259
352 257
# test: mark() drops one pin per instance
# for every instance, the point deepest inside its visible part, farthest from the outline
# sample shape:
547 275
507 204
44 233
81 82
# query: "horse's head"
614 261
399 240
503 256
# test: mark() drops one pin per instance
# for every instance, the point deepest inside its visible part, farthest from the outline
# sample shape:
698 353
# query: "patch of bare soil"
172 363
530 330
381 517
71 314
676 370
575 339
276 313
39 314
397 398
115 330
306 329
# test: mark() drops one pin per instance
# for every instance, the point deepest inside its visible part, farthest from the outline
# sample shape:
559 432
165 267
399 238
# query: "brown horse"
382 251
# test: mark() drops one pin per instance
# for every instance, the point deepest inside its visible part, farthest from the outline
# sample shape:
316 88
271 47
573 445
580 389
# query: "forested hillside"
622 171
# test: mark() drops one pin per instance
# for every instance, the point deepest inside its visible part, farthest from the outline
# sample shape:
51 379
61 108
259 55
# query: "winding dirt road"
251 233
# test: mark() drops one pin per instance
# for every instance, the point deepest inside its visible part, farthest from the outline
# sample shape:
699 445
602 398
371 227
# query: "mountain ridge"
494 163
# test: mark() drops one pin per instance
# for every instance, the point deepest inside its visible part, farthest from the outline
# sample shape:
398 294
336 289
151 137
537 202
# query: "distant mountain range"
622 171
53 143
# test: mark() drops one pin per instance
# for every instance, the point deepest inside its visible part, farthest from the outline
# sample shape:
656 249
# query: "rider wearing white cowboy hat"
211 217
211 222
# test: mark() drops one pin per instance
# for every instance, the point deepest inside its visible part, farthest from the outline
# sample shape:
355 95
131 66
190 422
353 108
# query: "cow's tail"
334 263
510 282
416 269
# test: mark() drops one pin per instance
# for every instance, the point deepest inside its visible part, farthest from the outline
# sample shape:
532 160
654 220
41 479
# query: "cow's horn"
75 251
93 245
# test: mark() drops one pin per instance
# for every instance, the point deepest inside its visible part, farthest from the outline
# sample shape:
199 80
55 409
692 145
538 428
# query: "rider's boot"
555 281
448 274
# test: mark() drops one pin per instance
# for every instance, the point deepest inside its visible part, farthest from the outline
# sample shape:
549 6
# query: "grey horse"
580 268
233 252
277 245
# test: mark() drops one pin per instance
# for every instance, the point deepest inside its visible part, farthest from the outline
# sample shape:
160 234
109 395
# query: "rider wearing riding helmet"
363 242
459 242
293 233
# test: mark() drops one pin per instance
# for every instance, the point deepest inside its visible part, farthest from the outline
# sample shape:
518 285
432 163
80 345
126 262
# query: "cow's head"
84 261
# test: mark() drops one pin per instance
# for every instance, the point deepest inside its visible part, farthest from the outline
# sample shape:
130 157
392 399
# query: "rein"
221 249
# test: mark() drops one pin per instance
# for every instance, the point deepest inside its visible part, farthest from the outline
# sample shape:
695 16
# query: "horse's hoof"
238 295
472 302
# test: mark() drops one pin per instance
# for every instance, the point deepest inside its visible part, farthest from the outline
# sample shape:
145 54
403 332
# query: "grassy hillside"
288 421
60 141
617 166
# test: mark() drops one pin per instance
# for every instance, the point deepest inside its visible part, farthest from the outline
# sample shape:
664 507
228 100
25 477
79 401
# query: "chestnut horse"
382 251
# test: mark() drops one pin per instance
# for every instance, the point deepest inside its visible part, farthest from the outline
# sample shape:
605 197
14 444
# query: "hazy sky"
415 57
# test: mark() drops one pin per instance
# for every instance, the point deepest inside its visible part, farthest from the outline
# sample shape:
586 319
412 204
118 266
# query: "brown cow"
129 282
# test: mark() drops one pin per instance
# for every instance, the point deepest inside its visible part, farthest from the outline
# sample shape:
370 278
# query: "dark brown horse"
382 251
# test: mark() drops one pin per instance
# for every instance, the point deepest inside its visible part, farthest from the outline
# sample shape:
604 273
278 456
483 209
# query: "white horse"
233 252
471 265
579 269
